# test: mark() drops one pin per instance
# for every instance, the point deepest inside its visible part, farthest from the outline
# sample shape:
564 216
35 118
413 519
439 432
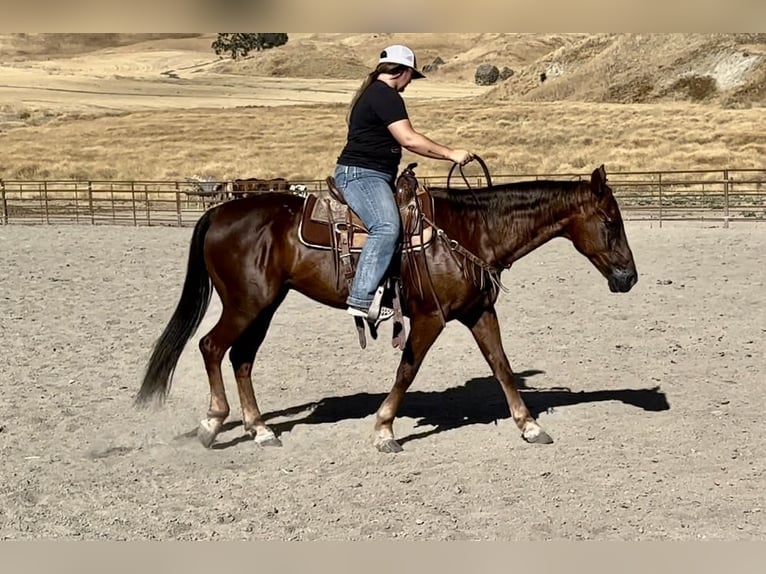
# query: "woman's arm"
415 142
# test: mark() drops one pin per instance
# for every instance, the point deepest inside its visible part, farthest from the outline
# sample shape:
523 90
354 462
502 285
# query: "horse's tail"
195 298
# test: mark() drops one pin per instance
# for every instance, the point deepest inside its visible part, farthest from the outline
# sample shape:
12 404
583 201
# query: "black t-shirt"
369 143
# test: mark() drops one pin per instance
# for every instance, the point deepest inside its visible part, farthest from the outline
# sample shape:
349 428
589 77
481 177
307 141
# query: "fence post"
659 181
76 204
114 208
133 201
726 198
4 202
90 203
178 204
45 202
148 206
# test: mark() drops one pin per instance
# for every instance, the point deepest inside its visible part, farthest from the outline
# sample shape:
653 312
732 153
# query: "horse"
240 188
243 187
249 251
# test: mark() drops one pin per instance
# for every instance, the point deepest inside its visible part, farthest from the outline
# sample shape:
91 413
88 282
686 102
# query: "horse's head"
598 233
406 185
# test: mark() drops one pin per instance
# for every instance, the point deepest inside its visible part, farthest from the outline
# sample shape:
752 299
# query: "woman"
378 129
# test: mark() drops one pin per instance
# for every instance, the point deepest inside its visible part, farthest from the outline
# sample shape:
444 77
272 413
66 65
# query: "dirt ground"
654 399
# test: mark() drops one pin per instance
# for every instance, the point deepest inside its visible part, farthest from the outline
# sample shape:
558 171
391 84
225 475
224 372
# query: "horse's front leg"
423 333
486 330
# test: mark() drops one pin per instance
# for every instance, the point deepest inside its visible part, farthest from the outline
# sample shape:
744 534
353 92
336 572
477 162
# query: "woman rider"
378 129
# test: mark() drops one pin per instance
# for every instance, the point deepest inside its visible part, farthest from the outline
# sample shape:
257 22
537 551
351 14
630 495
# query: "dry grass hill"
128 106
727 69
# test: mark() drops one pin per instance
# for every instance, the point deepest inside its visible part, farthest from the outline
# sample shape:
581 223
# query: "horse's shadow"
478 401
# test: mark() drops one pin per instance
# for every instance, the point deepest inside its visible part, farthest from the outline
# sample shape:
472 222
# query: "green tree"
240 45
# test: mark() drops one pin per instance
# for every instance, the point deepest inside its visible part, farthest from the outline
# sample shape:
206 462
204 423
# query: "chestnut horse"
239 188
249 252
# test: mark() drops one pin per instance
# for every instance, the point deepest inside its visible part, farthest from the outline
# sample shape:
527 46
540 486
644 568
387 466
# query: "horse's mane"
516 197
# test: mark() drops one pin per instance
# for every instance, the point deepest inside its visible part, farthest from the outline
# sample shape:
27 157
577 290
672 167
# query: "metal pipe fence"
722 195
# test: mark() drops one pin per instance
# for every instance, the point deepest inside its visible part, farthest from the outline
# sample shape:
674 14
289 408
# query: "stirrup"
383 314
376 307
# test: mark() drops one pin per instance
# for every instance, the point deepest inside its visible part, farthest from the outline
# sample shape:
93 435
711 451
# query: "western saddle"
329 223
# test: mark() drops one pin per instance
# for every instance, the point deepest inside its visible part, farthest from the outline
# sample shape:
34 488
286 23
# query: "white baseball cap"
398 54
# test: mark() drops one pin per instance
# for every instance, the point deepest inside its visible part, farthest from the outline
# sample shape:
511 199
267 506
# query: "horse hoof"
537 436
206 434
388 446
268 440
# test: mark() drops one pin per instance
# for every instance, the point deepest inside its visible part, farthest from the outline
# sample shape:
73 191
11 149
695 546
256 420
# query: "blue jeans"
370 194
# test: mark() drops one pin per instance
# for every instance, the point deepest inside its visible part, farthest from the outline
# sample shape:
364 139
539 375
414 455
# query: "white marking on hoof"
534 434
207 430
531 433
267 439
388 445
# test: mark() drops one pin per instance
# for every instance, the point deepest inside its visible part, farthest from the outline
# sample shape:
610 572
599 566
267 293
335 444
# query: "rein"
492 272
468 185
470 188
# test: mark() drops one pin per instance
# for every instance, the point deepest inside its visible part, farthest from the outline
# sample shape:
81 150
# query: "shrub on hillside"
240 45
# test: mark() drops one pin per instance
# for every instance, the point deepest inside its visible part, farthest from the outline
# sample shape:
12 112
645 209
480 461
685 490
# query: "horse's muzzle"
622 281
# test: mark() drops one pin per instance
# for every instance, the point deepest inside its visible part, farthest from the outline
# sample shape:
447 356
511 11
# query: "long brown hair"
383 68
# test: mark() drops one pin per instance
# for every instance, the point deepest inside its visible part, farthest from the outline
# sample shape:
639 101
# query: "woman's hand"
461 156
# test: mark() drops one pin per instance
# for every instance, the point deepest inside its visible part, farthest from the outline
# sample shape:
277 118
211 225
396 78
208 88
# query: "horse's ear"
598 180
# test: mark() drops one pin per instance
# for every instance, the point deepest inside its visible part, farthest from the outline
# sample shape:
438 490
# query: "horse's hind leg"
242 356
213 347
486 331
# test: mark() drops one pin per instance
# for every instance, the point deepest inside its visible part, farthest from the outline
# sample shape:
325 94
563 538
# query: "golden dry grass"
302 142
201 122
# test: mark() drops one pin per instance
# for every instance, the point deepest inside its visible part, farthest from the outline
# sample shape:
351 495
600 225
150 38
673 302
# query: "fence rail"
712 195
